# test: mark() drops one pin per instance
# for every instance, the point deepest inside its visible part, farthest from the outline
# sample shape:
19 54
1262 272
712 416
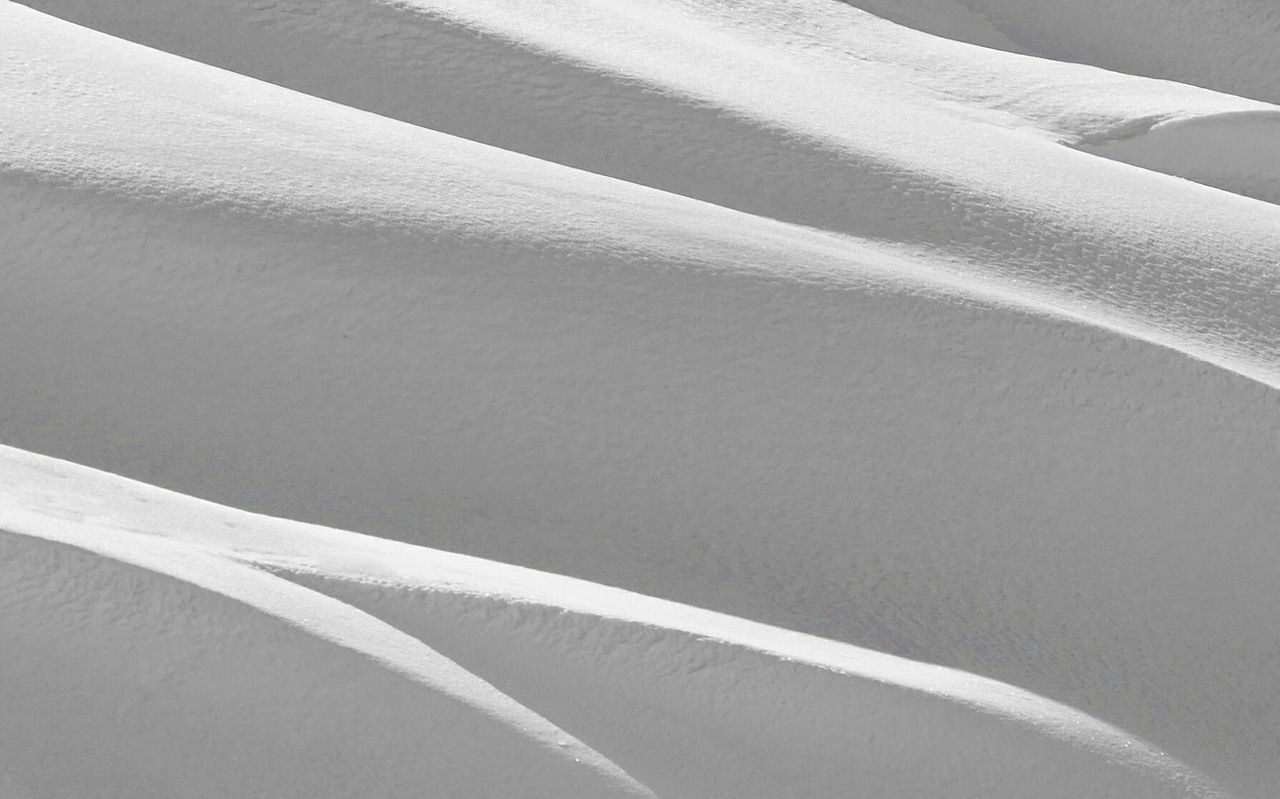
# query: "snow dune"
846 334
193 619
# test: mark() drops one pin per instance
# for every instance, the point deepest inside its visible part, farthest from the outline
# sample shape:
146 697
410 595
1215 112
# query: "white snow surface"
783 310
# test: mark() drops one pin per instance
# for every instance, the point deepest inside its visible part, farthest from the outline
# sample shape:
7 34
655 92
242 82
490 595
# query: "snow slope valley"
733 399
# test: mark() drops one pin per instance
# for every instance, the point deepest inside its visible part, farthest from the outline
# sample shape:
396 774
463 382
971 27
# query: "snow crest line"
507 729
599 653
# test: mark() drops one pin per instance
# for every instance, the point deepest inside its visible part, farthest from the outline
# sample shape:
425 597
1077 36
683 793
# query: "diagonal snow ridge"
747 110
89 556
222 663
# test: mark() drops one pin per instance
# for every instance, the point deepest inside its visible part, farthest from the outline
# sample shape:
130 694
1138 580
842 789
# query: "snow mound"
194 618
1239 152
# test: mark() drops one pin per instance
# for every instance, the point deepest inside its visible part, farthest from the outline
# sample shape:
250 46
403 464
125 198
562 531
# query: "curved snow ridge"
847 718
218 662
947 148
1236 151
714 705
469 68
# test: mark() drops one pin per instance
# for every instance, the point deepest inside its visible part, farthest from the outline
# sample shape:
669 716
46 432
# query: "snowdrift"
154 639
840 336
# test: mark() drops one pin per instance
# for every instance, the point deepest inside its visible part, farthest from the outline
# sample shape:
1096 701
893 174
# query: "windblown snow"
894 387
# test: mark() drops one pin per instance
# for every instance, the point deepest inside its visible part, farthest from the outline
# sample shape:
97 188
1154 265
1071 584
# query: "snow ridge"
713 703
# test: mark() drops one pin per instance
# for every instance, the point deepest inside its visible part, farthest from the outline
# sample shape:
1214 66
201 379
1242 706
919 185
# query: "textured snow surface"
301 654
782 310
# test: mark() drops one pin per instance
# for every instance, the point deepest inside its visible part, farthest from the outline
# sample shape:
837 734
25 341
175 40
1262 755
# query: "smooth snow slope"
194 618
279 302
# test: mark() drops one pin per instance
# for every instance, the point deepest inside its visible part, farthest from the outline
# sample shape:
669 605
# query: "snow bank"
191 618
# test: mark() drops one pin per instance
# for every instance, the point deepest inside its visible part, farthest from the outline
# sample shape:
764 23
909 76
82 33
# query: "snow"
782 310
239 638
136 668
